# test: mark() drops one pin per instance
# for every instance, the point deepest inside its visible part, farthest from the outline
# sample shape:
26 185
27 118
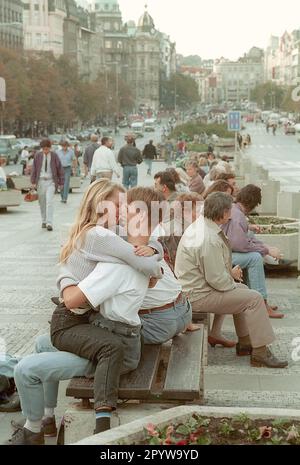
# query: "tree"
268 95
180 92
290 103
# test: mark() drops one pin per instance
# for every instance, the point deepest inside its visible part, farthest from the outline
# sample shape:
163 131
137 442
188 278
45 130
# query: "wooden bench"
203 318
166 373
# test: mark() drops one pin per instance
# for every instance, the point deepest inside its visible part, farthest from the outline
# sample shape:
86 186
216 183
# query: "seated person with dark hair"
165 183
248 251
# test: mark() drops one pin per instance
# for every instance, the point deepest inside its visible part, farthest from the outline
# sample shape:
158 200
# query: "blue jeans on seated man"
37 376
162 325
253 262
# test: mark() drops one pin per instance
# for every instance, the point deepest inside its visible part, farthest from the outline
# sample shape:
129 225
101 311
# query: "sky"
215 28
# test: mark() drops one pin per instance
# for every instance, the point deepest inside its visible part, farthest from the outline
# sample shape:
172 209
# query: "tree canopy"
48 92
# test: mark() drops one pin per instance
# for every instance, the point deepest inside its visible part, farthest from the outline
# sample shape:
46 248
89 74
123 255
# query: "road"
280 154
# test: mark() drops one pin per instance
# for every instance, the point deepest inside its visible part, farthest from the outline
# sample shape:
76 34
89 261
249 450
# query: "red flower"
182 443
151 430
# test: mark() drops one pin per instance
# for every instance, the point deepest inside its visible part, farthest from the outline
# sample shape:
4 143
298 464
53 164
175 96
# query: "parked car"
9 149
290 129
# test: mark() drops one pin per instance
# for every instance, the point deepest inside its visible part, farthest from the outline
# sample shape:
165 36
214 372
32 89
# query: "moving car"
138 128
150 125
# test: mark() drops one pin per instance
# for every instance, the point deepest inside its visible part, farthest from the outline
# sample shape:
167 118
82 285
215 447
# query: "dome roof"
146 22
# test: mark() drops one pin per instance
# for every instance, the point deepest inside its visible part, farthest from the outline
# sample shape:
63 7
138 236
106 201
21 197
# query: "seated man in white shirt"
104 163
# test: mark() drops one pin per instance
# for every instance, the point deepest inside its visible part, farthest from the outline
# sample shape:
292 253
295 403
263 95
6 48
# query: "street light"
3 100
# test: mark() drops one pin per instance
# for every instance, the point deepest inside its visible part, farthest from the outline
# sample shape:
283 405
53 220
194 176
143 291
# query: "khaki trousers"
104 174
248 310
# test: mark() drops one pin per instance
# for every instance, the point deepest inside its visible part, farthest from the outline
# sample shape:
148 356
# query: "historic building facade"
11 24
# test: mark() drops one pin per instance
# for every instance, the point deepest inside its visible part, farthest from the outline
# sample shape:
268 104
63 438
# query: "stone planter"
10 198
287 243
75 183
22 182
288 203
269 191
132 433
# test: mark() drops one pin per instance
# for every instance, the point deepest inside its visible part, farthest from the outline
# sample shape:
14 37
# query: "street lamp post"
3 100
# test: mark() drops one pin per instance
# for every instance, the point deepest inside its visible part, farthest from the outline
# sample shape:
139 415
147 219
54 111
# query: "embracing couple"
116 293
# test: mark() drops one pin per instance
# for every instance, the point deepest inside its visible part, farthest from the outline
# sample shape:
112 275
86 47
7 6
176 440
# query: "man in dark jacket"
89 153
47 176
129 157
149 154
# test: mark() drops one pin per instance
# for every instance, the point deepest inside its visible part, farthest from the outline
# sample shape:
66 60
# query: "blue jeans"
37 376
130 175
8 364
253 262
65 191
149 162
162 325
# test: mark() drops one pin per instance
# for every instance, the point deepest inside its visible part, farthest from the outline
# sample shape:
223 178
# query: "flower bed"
273 221
239 430
277 230
206 425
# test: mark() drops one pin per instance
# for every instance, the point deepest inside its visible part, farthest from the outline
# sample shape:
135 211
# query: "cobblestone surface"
28 270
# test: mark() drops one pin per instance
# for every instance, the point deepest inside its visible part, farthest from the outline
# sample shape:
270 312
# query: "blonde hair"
88 215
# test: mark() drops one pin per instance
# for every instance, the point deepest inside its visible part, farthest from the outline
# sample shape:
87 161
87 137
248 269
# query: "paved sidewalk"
29 257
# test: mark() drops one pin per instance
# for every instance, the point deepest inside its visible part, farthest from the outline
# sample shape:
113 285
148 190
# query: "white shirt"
166 290
24 155
46 174
104 160
2 174
119 289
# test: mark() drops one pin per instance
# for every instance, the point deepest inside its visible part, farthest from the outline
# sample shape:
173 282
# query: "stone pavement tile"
280 383
229 382
262 399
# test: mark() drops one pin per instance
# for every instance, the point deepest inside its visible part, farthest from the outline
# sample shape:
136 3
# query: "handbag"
31 196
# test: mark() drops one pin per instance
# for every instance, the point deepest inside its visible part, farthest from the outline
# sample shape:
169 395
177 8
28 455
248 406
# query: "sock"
49 412
245 341
102 421
33 426
259 351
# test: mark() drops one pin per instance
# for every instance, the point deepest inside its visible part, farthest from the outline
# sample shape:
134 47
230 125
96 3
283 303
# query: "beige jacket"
203 261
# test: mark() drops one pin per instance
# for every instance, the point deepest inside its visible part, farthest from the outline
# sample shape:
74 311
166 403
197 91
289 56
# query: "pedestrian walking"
104 161
89 153
129 157
69 164
46 176
78 154
24 159
150 153
169 147
274 128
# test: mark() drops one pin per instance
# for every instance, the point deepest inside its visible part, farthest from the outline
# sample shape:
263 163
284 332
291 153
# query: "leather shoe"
24 437
282 265
273 314
4 383
221 342
49 428
243 351
267 360
12 405
49 228
55 300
